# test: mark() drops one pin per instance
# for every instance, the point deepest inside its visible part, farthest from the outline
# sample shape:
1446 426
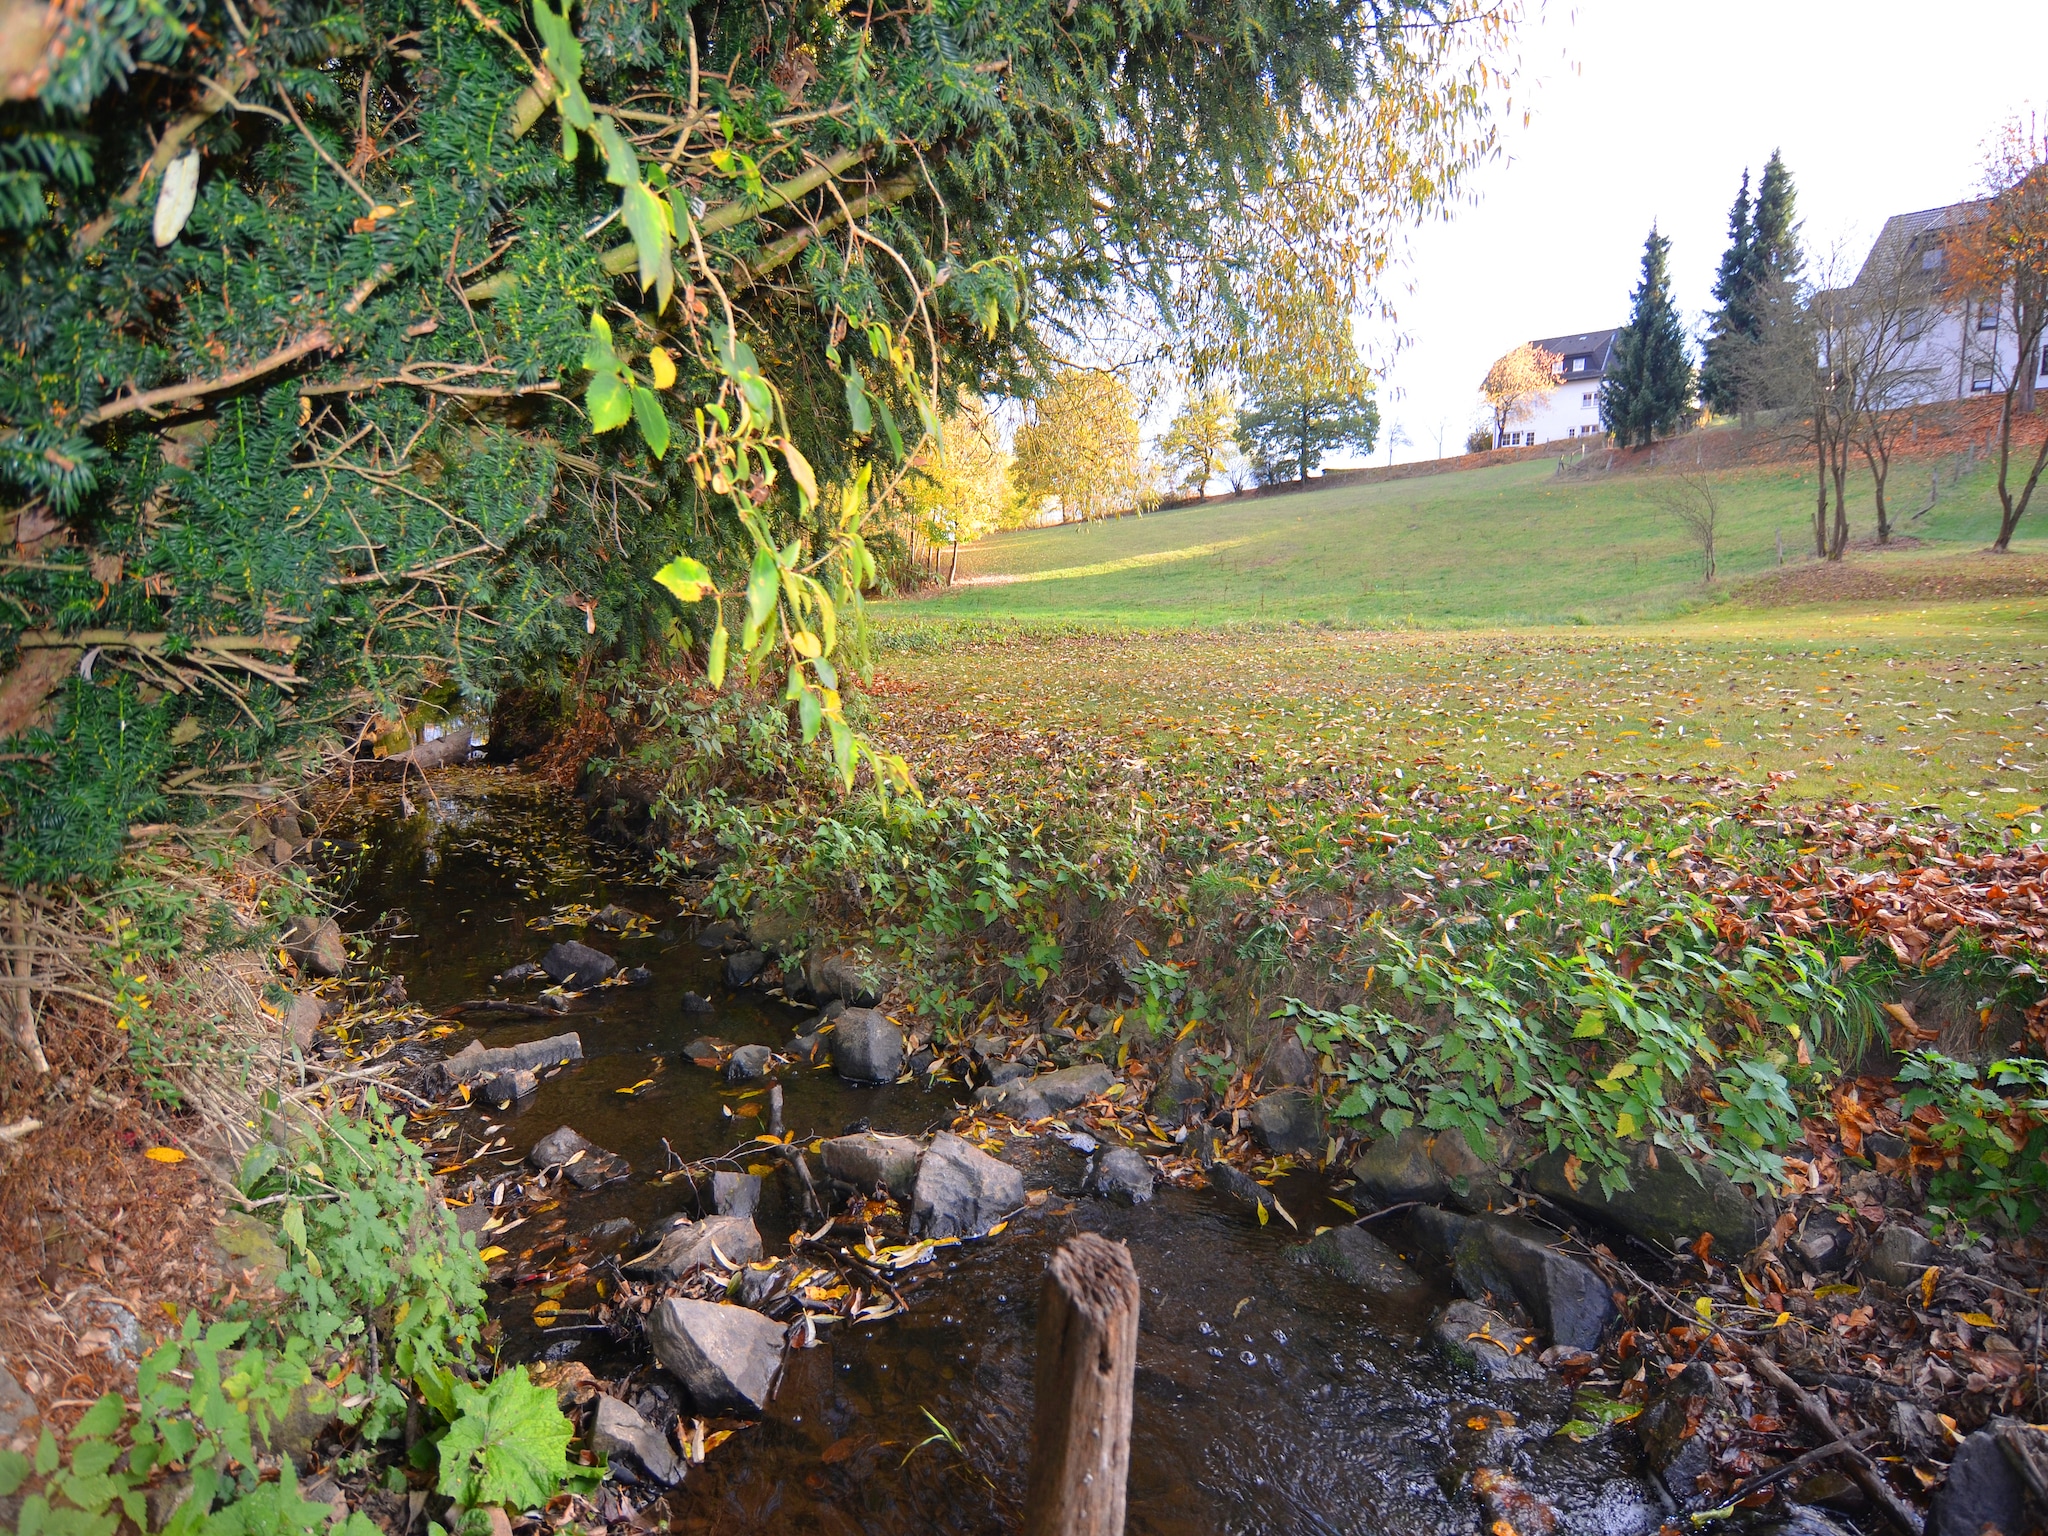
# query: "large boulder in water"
577 966
586 1164
866 1048
1288 1121
692 1245
726 1357
1501 1257
962 1191
873 1160
619 1433
1355 1256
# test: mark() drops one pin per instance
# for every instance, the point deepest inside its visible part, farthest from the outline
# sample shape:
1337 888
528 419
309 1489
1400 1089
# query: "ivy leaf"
653 420
686 578
610 402
508 1445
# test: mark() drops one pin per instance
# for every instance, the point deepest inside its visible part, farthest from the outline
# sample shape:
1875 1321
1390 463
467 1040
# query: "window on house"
1578 365
1930 260
2044 362
1981 379
1586 398
1987 316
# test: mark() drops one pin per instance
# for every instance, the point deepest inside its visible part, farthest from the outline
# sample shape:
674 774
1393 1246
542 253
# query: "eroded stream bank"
1272 1396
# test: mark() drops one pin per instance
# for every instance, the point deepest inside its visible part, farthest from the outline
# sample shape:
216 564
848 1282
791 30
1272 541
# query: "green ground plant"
378 1307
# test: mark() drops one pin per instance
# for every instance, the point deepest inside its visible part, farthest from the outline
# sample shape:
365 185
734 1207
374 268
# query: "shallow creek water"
1270 1397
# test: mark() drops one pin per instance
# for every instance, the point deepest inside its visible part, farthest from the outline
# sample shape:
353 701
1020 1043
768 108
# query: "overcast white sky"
1649 110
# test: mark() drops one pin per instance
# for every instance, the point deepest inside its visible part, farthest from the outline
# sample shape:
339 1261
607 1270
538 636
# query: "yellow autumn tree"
958 489
1515 383
1079 449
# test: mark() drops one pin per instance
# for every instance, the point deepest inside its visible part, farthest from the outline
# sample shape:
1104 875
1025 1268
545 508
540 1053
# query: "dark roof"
1903 232
1594 346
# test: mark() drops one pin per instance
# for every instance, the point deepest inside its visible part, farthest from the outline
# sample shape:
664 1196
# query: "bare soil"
1869 576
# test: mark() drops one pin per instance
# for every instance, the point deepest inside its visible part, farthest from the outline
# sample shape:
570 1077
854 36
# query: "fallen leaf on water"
644 1083
490 1253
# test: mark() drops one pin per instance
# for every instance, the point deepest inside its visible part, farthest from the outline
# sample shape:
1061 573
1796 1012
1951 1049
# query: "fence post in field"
1081 1422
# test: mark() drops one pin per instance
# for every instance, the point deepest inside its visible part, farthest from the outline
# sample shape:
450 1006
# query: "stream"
1270 1397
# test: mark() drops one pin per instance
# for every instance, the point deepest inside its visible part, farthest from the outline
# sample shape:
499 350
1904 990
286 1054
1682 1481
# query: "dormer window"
1578 365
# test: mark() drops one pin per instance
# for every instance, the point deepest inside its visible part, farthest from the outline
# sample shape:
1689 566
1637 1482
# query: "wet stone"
720 1241
708 1051
716 935
1122 1174
1358 1258
1288 1121
505 1089
1682 1427
866 1048
810 1049
637 976
525 970
736 1194
616 919
1008 1072
749 1063
744 968
1501 1257
1983 1489
726 1357
1483 1340
961 1191
613 1236
619 1432
694 1002
872 1160
584 1163
1235 1184
577 966
1667 1205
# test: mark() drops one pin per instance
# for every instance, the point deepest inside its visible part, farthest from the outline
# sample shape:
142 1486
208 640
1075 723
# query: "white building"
1963 348
1571 410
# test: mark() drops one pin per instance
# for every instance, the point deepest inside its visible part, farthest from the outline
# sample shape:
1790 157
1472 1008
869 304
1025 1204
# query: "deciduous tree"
1308 398
1202 440
1997 254
1079 447
1517 383
959 486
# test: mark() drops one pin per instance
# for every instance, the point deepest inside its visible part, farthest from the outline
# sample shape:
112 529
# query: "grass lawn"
1512 545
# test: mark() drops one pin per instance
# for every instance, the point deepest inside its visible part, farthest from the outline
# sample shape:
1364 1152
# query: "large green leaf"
652 418
648 223
508 1445
609 401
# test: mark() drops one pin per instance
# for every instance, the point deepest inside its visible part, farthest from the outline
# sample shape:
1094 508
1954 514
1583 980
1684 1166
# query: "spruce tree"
1733 324
1774 246
1650 377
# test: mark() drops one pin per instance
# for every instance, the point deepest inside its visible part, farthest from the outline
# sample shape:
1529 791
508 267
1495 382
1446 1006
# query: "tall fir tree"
1649 384
1774 253
1733 325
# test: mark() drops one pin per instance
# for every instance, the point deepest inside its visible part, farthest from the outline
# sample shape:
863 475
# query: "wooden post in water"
1081 1421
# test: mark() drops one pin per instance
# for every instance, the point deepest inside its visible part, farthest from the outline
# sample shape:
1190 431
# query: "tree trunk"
1838 541
1081 1419
1820 509
1878 457
953 569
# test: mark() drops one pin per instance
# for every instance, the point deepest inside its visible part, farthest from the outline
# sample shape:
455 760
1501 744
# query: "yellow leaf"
545 1314
1262 1213
1979 1320
1624 1124
1927 1283
662 366
164 1155
1704 1305
645 1082
492 1252
1781 1320
1344 1205
997 1229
